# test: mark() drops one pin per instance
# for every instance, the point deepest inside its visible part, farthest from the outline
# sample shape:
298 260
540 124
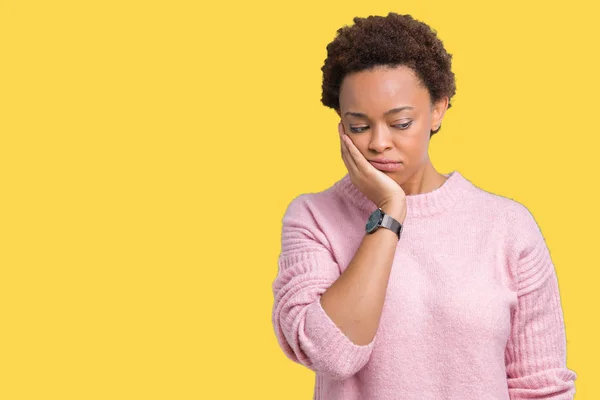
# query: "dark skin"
355 300
401 136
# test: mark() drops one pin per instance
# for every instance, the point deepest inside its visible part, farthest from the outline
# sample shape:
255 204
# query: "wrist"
395 210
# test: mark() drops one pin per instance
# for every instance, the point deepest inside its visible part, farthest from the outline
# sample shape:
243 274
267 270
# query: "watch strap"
392 224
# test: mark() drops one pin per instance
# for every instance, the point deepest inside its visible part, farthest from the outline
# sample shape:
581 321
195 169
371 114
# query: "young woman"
448 291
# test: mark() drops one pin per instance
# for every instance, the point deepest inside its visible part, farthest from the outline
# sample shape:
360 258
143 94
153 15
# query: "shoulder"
507 217
316 221
502 208
527 253
327 217
316 206
523 243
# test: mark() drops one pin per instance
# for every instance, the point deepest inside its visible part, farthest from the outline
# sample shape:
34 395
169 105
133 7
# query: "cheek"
413 148
362 144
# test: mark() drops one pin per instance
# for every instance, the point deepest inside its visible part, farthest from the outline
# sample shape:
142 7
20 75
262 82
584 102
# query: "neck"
424 180
435 195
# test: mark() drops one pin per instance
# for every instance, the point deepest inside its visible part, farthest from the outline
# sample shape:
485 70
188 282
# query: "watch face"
373 220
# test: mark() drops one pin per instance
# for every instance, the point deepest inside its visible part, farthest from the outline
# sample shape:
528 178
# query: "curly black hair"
388 41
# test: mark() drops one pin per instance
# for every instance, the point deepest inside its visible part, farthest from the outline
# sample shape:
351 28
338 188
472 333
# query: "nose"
381 138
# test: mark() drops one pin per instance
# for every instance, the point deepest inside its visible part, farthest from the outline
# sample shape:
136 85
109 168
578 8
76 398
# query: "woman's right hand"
373 183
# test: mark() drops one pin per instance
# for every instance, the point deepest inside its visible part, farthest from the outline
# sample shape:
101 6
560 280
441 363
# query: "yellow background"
150 148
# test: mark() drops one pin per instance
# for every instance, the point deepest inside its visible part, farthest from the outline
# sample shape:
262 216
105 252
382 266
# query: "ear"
438 111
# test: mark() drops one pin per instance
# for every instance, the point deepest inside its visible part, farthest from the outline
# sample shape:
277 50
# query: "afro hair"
392 41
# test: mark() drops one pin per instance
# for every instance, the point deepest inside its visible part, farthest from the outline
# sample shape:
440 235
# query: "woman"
448 291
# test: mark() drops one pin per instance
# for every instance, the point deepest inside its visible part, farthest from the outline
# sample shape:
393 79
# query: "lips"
384 161
387 166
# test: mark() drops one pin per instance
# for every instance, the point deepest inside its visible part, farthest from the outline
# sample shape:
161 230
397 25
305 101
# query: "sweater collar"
417 205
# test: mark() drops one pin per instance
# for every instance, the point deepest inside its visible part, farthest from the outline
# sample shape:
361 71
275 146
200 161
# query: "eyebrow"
392 111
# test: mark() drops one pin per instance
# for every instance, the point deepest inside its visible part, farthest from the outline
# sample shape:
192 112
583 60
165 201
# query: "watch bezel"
376 218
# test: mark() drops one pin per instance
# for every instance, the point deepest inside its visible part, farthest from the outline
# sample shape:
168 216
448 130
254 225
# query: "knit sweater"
472 309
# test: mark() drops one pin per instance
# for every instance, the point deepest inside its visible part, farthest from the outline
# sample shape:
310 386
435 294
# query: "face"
388 114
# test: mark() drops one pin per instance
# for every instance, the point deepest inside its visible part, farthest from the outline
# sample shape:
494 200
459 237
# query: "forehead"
382 88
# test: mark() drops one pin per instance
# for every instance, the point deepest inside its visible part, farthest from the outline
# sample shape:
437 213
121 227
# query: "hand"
373 183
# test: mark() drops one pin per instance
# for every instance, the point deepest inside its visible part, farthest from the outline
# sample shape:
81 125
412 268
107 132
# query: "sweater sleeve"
304 330
535 353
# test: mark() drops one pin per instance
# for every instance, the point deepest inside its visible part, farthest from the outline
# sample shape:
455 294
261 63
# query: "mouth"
388 166
385 161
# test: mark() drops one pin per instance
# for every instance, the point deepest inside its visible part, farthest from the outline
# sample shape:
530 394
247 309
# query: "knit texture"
472 308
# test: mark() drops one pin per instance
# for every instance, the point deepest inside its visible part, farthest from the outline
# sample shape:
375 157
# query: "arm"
536 350
323 319
355 300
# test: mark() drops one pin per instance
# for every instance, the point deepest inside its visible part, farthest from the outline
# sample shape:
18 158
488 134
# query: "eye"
358 129
403 126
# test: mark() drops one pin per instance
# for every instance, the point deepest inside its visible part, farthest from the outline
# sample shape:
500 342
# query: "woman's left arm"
535 353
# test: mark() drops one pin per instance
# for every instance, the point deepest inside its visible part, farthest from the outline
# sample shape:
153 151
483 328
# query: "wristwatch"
379 218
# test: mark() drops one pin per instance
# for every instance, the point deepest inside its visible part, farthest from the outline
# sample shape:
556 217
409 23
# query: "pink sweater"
472 310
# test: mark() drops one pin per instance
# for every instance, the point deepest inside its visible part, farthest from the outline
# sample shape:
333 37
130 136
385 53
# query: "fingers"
359 161
348 160
350 165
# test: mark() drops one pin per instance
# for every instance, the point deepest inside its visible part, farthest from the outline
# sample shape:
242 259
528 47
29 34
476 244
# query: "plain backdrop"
148 151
